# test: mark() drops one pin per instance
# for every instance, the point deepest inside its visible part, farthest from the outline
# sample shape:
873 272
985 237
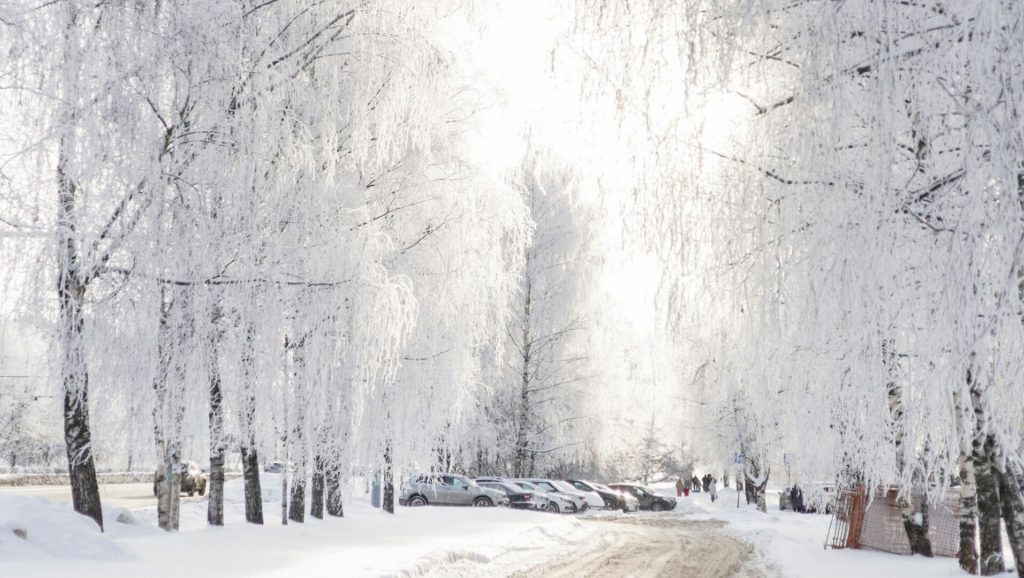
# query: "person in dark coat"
696 483
706 481
796 496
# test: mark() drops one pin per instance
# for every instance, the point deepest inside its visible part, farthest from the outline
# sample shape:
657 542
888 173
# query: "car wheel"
202 489
574 508
482 502
657 507
609 505
191 492
552 507
417 501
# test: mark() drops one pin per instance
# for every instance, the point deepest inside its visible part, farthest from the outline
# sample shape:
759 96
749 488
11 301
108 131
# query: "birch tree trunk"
913 511
748 488
215 506
332 483
71 287
387 485
756 483
989 510
521 450
169 409
247 415
297 506
85 493
759 492
1013 514
316 491
967 554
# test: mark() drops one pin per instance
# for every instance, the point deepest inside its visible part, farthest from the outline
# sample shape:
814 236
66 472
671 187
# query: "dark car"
648 499
193 479
612 500
517 497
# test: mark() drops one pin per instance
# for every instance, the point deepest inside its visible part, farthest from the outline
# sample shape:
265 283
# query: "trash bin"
375 494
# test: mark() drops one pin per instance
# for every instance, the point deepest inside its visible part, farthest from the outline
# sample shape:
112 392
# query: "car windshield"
646 490
563 486
459 482
547 486
580 486
527 486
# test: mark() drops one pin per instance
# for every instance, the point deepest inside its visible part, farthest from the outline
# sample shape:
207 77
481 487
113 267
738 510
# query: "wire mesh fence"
878 524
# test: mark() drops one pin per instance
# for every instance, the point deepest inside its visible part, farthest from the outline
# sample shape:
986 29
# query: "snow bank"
52 531
416 542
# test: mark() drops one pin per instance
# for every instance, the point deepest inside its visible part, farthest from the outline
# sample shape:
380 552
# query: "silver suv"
448 490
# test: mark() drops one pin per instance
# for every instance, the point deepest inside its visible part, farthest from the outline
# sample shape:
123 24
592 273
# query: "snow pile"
416 542
46 531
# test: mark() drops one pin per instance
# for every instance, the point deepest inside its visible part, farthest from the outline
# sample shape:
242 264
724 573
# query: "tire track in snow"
657 547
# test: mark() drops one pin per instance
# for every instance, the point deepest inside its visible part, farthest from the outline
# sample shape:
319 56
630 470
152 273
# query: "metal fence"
878 524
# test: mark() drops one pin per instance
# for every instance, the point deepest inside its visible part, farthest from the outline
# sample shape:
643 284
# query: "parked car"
518 497
555 503
448 490
649 500
193 479
275 468
578 499
632 504
613 499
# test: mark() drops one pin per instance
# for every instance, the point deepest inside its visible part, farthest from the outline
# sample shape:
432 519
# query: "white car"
553 502
578 499
594 500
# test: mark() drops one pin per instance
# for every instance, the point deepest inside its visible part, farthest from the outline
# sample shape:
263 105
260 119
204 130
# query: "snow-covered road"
698 539
121 495
656 546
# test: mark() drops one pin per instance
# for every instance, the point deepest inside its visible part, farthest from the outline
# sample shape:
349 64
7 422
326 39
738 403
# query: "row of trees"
259 229
835 191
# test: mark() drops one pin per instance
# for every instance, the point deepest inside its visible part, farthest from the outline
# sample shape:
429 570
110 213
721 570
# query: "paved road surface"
123 495
648 546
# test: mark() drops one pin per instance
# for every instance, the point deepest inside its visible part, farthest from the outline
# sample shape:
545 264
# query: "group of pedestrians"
708 483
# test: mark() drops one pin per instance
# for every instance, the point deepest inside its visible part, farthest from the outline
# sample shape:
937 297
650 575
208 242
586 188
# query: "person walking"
796 498
679 487
687 484
696 483
713 489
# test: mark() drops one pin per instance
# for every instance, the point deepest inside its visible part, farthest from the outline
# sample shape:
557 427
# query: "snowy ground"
795 543
422 541
437 542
